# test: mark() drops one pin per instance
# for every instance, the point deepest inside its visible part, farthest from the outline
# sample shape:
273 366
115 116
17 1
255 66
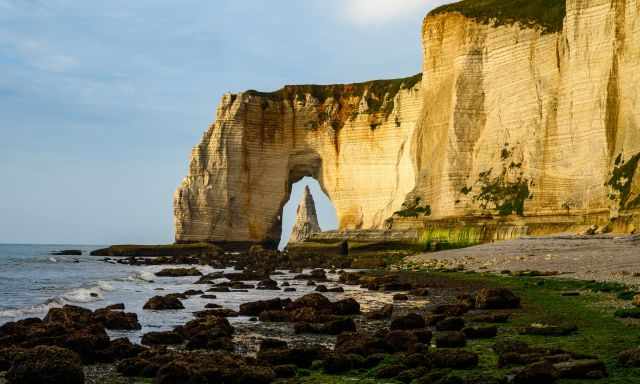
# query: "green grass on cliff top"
548 14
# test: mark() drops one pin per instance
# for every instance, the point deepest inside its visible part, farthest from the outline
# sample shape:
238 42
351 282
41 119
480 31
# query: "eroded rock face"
344 136
507 119
306 219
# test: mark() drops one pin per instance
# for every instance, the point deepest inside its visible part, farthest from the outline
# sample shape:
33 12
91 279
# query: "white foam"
36 310
53 260
144 276
84 295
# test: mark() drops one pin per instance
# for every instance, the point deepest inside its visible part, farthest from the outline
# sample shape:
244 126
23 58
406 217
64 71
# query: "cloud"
371 12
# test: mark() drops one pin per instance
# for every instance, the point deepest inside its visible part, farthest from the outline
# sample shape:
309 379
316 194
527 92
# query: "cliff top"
376 91
548 14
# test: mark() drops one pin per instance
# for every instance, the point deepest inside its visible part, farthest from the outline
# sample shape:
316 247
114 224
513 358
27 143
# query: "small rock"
410 321
451 339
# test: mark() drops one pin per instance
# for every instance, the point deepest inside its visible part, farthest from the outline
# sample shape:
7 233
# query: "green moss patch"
547 14
621 180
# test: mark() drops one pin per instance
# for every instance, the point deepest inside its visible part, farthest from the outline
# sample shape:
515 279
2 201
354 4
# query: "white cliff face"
306 222
507 119
563 105
354 139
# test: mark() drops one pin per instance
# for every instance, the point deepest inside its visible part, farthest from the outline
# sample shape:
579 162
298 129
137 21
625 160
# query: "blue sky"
102 101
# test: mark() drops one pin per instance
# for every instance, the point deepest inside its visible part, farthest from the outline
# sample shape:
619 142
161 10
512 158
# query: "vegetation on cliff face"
506 192
414 208
379 93
621 181
548 14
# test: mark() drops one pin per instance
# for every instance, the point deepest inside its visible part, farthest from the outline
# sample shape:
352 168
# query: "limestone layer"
508 119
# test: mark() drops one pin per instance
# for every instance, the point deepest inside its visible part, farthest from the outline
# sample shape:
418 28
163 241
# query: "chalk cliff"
529 112
306 222
355 139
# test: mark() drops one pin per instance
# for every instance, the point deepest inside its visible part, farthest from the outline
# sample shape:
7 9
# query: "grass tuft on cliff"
548 14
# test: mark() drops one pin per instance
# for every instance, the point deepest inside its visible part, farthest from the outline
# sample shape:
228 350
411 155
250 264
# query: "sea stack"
306 219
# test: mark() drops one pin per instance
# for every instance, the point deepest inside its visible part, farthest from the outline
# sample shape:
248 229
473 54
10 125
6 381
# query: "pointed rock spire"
306 219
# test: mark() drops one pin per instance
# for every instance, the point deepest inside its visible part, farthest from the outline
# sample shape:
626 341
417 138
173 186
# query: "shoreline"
598 257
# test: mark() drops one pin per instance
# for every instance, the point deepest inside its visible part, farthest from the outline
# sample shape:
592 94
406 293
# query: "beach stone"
400 297
278 316
489 318
46 365
389 371
209 297
178 272
336 290
312 300
272 344
636 300
193 292
630 357
451 339
300 357
480 332
114 307
401 341
336 364
162 338
117 320
321 288
161 303
536 373
548 330
380 314
346 307
361 344
581 369
119 349
254 308
289 289
450 324
285 371
453 358
268 284
410 321
496 298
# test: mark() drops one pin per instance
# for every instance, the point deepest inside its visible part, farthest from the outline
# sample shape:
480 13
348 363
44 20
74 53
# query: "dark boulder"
346 307
46 365
480 332
453 358
451 339
178 272
536 373
450 324
160 303
117 320
256 307
381 314
496 298
630 357
410 321
162 338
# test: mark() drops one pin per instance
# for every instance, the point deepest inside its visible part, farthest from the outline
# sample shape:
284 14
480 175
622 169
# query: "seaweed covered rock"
46 365
161 303
496 298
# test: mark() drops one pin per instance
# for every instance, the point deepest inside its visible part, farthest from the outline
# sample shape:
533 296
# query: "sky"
102 101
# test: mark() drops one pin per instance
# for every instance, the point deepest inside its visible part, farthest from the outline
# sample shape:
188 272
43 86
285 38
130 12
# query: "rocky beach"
235 320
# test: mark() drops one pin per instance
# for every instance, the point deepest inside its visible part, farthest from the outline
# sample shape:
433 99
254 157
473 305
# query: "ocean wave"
35 310
144 276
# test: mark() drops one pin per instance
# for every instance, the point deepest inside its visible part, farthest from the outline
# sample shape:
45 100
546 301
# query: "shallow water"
32 282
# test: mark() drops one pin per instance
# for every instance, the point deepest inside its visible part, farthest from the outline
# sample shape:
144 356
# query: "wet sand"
602 257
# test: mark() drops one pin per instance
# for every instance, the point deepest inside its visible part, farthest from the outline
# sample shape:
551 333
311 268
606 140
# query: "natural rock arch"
356 143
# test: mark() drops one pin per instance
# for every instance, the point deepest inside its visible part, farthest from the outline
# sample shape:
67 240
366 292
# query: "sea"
32 281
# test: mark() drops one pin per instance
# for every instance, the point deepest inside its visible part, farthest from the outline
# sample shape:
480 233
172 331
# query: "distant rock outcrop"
306 219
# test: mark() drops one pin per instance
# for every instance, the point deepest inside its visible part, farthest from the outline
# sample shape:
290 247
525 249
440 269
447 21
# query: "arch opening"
324 208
